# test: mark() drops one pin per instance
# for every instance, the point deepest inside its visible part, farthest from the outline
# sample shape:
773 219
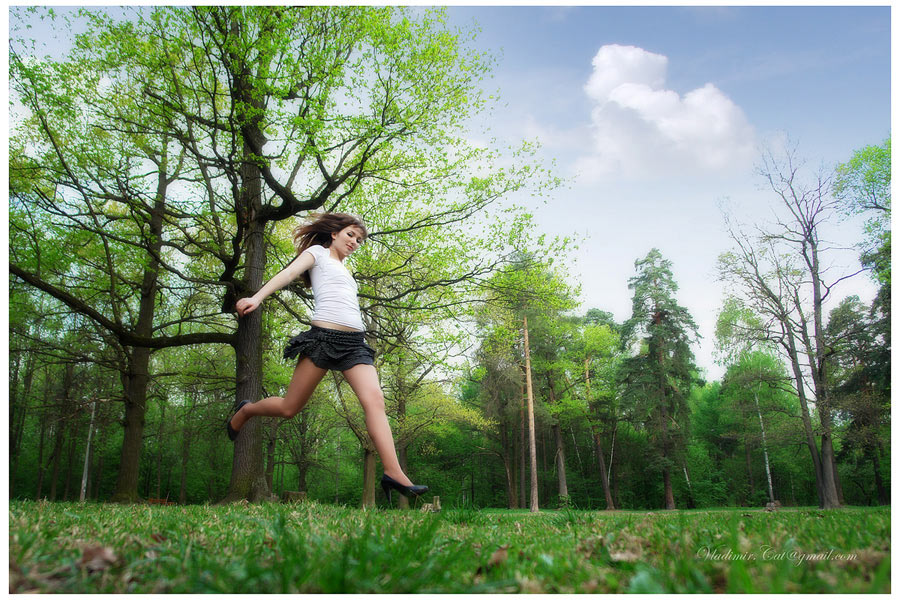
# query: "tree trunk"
137 375
92 475
58 439
26 394
831 493
829 472
666 440
523 470
147 472
70 457
337 472
765 447
614 476
531 442
271 442
472 482
837 480
212 457
604 479
40 461
87 455
248 480
508 456
368 497
542 452
403 501
610 504
14 398
667 485
185 458
749 466
159 448
560 455
513 457
61 426
20 423
302 470
804 415
511 500
884 498
301 461
13 421
687 478
98 471
136 381
561 463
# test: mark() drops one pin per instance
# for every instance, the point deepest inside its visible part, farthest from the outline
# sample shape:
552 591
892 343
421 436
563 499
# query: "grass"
309 548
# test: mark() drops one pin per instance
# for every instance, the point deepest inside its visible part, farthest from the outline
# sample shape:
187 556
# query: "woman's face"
347 240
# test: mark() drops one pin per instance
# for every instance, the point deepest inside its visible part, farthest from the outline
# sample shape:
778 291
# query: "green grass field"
308 547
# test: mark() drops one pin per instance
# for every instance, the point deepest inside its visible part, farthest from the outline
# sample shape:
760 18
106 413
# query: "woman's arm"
284 277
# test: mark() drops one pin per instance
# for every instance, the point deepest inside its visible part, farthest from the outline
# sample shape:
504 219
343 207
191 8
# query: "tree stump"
432 506
294 496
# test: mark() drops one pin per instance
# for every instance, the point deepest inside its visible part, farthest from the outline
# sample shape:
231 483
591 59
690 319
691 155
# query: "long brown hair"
318 229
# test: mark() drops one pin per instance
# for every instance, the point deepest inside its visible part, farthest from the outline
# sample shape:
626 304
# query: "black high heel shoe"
232 434
407 490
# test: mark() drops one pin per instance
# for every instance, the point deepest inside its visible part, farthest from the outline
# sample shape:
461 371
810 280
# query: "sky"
657 117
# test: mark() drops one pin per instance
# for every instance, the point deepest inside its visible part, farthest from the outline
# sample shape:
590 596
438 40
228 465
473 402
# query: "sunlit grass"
276 548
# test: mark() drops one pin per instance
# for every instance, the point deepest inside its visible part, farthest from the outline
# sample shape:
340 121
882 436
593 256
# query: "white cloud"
641 128
616 65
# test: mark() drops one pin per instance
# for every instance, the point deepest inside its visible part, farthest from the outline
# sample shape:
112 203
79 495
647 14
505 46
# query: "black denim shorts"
331 348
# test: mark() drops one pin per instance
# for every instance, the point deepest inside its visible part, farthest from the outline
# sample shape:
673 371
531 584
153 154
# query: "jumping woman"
335 340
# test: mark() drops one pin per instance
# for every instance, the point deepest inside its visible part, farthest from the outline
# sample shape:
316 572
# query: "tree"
498 375
657 379
87 177
782 277
529 287
599 349
755 375
277 111
554 338
860 383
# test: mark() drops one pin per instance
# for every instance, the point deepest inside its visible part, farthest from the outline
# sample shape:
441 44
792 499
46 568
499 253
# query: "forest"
156 172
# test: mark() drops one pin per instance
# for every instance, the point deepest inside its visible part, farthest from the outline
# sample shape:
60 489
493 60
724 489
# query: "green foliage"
864 185
738 330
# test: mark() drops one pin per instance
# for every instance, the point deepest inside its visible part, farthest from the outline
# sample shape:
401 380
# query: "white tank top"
334 290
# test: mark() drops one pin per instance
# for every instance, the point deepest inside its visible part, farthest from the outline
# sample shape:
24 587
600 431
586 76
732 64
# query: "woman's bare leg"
303 383
364 381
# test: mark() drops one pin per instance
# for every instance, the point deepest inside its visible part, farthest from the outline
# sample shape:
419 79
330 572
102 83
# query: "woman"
335 341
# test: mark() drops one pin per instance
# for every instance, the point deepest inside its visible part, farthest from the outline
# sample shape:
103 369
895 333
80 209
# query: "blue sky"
657 116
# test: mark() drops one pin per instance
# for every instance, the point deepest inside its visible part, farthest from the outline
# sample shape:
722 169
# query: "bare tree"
782 276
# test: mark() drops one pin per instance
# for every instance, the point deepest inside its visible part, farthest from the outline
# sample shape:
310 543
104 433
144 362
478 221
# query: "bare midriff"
327 325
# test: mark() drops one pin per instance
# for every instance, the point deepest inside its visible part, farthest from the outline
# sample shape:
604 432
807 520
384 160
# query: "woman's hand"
246 305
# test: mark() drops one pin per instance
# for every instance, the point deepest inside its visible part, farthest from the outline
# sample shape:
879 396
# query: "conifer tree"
657 378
